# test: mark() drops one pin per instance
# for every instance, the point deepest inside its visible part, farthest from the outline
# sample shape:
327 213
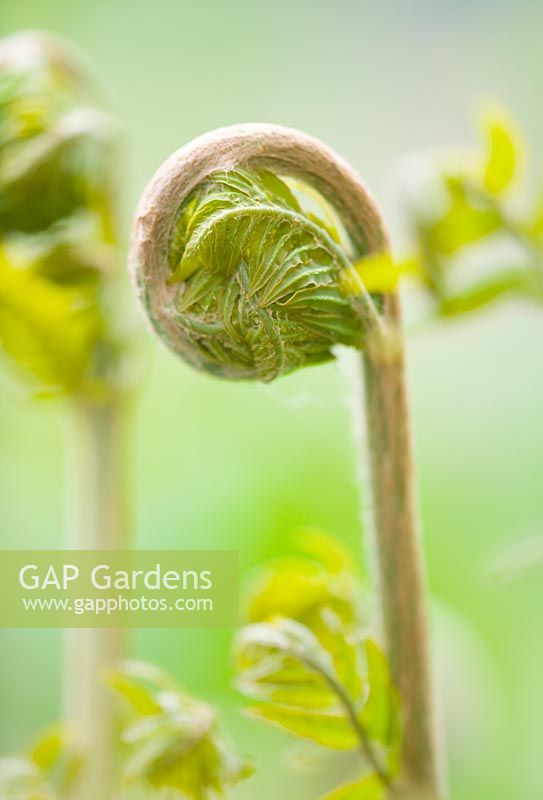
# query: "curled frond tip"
237 272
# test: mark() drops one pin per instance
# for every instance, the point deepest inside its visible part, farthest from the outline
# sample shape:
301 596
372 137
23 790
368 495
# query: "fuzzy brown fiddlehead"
246 282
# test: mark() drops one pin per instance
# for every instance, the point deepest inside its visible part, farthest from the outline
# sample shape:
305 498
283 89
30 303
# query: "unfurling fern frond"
236 271
258 279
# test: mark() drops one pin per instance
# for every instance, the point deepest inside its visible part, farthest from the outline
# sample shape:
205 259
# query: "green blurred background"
218 464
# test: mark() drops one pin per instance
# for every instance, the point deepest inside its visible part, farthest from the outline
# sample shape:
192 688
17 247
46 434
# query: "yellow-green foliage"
311 666
57 240
45 772
173 740
474 240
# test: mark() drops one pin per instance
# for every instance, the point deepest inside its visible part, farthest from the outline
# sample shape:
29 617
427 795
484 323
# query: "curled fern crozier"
236 272
258 279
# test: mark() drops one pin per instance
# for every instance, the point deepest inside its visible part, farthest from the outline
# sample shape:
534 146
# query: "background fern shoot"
58 257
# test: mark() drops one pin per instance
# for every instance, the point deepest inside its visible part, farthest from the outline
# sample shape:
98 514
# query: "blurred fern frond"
58 238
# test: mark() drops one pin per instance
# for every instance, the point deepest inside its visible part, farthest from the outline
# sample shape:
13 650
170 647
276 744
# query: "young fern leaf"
21 779
369 788
283 664
472 245
45 772
308 672
504 151
45 328
173 740
323 575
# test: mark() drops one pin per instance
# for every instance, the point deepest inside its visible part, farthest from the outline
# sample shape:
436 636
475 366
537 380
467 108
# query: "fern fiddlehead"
252 283
243 282
259 280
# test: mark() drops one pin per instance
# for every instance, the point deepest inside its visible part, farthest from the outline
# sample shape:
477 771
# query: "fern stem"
399 557
98 522
366 747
